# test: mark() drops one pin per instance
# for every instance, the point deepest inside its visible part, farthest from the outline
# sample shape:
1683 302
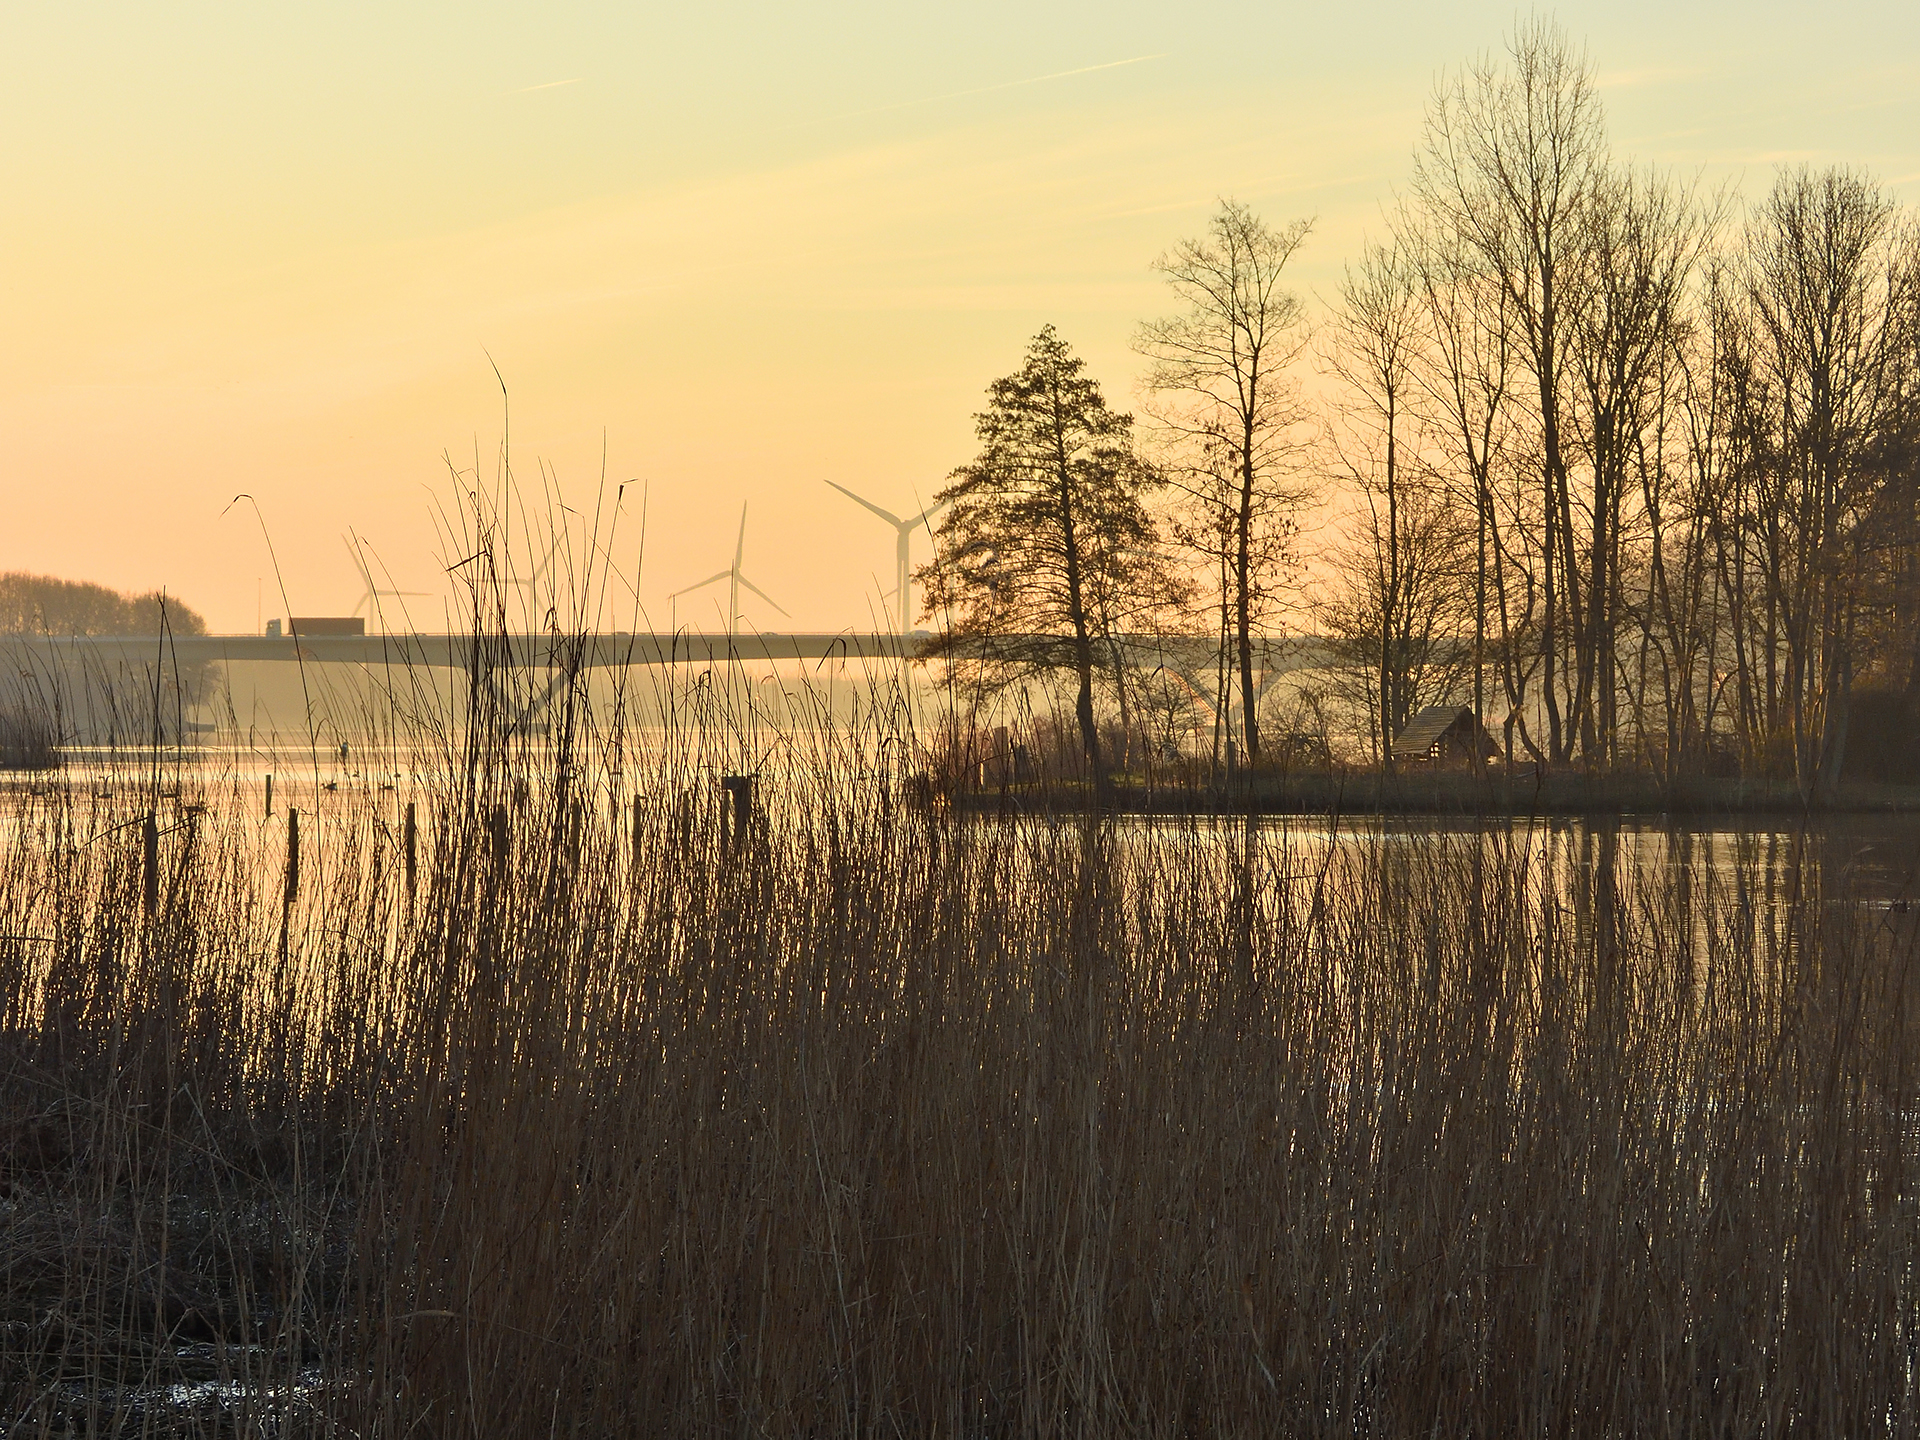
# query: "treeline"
1630 468
51 701
43 605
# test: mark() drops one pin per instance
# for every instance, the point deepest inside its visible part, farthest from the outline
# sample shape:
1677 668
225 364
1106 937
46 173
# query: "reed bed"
615 1119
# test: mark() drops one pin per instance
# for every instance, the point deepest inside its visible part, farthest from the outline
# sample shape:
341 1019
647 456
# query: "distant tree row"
1633 472
43 605
43 707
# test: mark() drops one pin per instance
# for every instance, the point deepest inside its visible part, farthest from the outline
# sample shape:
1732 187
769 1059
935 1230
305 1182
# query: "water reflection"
1702 885
1588 873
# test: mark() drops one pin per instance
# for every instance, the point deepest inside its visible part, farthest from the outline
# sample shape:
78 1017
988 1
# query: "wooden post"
636 834
736 808
499 834
293 855
412 847
150 865
269 795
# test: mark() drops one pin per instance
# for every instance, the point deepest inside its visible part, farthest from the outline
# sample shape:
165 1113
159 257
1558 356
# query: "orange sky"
745 251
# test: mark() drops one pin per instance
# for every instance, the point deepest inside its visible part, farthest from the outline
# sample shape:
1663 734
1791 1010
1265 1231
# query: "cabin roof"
1426 729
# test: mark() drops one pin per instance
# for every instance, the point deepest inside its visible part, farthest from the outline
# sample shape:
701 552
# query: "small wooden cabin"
1445 735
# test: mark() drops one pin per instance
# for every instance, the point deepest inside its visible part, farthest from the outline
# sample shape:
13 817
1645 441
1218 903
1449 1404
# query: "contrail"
988 89
550 85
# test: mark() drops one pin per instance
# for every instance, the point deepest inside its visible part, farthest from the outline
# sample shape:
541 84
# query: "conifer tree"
1047 546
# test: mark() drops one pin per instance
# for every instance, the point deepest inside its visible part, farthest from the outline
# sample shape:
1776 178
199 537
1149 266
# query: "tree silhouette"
1220 374
1047 545
45 605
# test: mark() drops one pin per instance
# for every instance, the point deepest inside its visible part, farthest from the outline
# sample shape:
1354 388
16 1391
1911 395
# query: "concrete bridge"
127 668
1276 653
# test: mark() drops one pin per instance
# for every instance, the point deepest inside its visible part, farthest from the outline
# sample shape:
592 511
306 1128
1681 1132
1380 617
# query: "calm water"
1871 862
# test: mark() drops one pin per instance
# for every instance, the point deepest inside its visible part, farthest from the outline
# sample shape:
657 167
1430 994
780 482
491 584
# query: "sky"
731 251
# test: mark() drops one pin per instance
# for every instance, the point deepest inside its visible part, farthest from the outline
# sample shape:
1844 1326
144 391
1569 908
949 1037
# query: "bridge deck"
595 651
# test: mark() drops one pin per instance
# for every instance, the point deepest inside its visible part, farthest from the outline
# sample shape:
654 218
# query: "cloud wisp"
550 85
990 89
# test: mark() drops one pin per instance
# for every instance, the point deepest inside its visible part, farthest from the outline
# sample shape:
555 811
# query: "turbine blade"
359 561
762 594
885 515
701 585
740 546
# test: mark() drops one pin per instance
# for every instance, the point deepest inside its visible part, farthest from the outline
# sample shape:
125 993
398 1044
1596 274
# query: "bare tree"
1376 342
1467 375
1820 335
1677 604
1508 165
45 605
1395 622
1642 236
1220 371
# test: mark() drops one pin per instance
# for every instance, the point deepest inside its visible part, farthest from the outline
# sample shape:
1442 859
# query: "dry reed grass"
880 1121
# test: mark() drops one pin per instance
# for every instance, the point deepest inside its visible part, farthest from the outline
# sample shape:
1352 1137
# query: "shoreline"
1590 797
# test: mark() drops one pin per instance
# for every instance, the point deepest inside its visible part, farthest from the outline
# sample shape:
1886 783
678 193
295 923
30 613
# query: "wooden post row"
412 841
150 864
293 854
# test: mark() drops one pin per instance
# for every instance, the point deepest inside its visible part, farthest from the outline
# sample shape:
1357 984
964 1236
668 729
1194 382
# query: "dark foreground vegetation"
867 1119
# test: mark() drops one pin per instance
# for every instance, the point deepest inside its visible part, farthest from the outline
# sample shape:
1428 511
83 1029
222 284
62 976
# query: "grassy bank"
875 1120
1448 792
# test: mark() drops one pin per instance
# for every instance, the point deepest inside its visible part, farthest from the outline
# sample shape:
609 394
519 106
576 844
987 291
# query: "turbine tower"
735 580
529 585
903 531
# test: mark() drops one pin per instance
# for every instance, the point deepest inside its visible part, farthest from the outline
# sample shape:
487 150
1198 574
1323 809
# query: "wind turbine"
734 578
370 599
903 530
529 585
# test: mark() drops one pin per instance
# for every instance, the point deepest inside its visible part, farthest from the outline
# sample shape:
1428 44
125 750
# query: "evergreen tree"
1047 548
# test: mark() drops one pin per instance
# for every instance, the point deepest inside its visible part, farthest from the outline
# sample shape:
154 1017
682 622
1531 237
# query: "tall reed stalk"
871 1120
